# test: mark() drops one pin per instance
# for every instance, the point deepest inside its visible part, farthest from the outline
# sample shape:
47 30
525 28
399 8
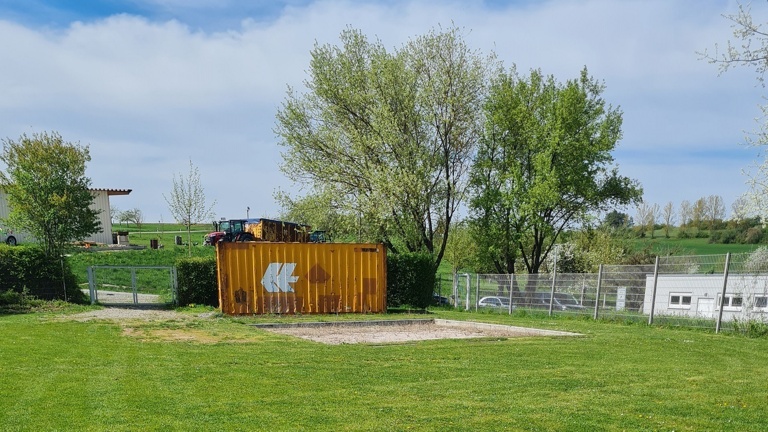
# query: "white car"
494 302
7 236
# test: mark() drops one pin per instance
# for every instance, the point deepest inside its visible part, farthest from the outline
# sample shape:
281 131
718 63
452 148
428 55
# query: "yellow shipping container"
309 278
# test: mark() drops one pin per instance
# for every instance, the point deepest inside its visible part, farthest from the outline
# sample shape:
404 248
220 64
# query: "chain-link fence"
706 291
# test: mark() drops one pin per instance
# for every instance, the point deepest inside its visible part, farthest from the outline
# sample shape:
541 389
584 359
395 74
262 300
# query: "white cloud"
149 95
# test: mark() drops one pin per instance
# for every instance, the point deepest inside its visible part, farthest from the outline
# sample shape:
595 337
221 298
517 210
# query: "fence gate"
132 285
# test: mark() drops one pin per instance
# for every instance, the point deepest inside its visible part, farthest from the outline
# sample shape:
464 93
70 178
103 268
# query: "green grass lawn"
64 375
689 246
165 233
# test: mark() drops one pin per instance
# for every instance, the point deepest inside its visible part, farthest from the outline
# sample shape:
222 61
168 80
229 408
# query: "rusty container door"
307 278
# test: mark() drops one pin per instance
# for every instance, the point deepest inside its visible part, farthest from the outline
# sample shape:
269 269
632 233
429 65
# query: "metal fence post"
455 289
469 290
511 284
597 294
477 291
175 282
91 285
722 296
554 281
134 287
653 292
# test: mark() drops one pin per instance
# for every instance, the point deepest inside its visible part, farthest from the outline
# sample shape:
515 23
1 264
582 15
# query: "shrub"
753 235
725 237
10 297
197 282
751 328
410 279
27 270
701 234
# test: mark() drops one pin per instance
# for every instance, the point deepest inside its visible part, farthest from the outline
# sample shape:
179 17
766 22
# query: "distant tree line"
703 218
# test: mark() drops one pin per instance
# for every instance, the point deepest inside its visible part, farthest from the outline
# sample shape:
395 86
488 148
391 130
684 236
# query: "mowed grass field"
222 374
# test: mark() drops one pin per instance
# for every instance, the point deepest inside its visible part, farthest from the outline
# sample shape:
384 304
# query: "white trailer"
701 296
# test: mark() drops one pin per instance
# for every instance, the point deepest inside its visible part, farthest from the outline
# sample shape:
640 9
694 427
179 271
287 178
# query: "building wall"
746 296
100 202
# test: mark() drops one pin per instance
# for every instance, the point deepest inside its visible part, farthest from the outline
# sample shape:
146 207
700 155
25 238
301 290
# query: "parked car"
8 237
494 302
439 300
562 301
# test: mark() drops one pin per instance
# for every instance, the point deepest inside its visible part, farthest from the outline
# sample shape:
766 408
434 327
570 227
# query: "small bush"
410 280
197 281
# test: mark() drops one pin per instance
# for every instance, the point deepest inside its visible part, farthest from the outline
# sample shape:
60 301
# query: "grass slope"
92 376
674 245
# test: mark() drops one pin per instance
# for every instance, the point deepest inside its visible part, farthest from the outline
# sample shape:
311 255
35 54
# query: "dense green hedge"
197 283
26 270
410 280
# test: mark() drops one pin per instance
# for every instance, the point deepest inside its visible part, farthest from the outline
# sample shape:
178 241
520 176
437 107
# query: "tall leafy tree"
391 133
187 202
616 221
543 165
48 192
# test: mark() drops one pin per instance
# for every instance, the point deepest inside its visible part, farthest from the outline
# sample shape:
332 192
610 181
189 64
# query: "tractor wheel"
245 237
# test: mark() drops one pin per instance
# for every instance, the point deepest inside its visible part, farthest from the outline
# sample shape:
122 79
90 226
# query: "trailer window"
761 302
732 302
680 300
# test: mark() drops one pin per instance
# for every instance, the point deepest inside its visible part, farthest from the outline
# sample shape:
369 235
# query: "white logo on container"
278 277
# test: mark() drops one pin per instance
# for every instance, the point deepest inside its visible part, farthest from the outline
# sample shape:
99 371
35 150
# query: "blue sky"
151 84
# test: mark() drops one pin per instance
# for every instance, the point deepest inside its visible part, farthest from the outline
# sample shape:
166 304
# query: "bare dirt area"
128 313
124 298
146 323
404 331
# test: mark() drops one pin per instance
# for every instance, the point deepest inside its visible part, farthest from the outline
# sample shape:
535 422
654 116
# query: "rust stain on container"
307 278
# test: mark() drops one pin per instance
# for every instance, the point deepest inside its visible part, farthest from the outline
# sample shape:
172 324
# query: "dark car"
439 300
562 301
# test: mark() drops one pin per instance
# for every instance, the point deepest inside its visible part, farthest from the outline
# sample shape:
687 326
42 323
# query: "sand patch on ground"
382 332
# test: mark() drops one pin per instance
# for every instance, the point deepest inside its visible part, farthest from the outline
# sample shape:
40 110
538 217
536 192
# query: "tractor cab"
227 230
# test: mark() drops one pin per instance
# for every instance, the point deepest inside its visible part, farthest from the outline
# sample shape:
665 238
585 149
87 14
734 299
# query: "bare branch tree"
669 217
685 215
134 216
698 212
186 201
715 210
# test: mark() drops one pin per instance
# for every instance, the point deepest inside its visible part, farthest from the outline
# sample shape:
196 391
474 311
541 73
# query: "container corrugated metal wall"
307 278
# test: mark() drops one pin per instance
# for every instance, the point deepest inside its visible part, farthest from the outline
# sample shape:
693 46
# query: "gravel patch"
403 331
118 313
